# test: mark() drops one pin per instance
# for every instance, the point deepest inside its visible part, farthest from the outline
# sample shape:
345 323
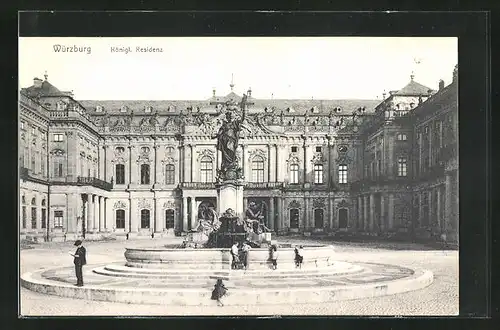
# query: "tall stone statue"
227 142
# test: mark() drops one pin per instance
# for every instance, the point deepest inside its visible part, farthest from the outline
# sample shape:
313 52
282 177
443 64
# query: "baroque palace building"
147 168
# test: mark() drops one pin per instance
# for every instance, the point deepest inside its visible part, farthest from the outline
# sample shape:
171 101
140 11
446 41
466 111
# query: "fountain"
185 276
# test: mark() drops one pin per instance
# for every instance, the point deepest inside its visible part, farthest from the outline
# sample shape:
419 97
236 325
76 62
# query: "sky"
273 67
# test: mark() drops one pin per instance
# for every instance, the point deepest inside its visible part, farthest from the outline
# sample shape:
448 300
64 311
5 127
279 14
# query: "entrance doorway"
318 218
294 218
343 218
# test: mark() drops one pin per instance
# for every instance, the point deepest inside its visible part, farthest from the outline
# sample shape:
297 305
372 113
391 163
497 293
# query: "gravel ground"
440 298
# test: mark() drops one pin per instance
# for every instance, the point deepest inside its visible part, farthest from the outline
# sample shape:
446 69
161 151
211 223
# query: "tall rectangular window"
342 173
42 164
120 219
318 174
145 174
258 169
24 217
120 173
58 219
206 169
33 162
44 218
58 137
169 174
294 173
33 217
402 166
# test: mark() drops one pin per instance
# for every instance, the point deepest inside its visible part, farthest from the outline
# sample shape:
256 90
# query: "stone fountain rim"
314 247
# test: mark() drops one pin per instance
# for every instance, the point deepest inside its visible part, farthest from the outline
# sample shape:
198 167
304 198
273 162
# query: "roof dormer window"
148 109
61 105
123 108
314 110
98 108
337 109
290 109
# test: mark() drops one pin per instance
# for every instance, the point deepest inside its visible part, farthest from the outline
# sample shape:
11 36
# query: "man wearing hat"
79 261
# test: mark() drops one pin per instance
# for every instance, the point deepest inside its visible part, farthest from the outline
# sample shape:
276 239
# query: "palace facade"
146 168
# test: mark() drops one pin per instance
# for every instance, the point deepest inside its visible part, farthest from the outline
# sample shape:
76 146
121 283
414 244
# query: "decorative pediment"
119 160
119 151
169 205
256 153
318 158
293 159
342 204
143 204
169 160
294 205
205 153
120 205
319 203
171 124
344 159
57 152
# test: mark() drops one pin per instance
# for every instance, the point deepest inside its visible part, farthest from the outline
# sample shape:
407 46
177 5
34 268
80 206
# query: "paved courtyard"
440 298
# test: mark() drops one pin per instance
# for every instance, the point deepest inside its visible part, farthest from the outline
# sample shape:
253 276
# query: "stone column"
159 217
245 202
133 169
90 213
96 213
306 222
420 213
157 170
360 213
430 207
438 206
272 215
109 215
366 206
192 162
390 213
372 211
331 215
279 168
134 216
184 214
276 163
102 223
269 163
306 179
193 212
279 222
383 219
73 212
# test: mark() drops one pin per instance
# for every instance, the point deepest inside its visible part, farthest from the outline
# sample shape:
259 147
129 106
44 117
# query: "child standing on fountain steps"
274 256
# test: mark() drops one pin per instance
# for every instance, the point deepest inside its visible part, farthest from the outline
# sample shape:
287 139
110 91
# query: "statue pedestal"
230 196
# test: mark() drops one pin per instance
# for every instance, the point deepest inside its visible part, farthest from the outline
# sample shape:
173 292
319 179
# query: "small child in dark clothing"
218 292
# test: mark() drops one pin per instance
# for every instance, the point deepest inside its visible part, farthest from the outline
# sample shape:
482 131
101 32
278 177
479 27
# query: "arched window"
44 214
402 166
258 169
33 213
120 173
169 219
294 218
169 174
294 173
318 174
206 169
343 218
144 219
120 219
318 218
145 174
343 173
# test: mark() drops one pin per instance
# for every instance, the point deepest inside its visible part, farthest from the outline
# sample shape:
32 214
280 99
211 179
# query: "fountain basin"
217 258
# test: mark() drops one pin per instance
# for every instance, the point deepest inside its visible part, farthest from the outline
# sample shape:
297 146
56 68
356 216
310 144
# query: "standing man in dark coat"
79 261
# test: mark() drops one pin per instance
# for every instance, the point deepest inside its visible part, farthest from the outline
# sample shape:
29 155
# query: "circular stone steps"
338 282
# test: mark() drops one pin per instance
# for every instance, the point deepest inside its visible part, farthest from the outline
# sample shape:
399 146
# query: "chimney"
37 82
249 93
441 84
213 92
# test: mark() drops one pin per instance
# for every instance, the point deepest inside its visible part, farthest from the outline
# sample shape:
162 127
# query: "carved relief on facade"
319 203
257 153
121 124
169 205
205 153
318 158
171 124
294 205
343 159
169 160
120 205
144 155
57 152
292 159
143 204
342 204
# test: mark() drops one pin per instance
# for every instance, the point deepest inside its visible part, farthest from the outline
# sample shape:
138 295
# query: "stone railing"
94 182
72 114
26 174
197 185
